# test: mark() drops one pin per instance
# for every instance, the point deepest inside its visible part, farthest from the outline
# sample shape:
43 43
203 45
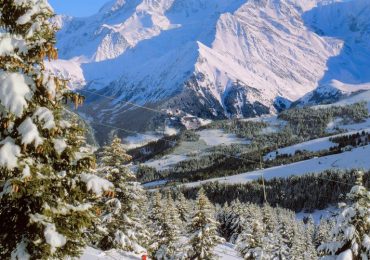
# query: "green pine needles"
46 194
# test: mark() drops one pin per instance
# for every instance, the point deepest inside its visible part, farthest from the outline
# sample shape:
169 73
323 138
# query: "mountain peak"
117 5
216 59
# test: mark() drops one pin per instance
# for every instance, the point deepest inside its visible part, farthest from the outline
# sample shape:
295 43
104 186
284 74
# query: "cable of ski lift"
174 142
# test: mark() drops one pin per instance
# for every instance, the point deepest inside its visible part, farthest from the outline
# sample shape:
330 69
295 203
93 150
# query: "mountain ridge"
202 59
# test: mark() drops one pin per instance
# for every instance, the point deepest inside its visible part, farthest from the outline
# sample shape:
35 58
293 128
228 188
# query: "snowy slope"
212 59
349 71
187 150
355 159
227 251
313 145
94 254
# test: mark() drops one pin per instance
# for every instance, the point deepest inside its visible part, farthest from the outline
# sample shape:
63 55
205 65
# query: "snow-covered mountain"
213 59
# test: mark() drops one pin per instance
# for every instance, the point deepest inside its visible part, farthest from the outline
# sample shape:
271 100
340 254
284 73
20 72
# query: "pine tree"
183 208
114 154
223 216
165 228
272 238
45 199
284 233
249 242
123 217
310 251
302 247
237 220
350 236
322 231
203 230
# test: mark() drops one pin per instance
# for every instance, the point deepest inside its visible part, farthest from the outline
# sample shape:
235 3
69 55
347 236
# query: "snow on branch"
29 132
10 43
45 116
51 235
14 92
9 153
96 184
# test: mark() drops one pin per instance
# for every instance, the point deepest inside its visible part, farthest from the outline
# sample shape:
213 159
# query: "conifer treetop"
114 154
350 235
41 162
203 229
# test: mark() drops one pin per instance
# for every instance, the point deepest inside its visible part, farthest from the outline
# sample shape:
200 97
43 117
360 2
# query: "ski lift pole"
263 179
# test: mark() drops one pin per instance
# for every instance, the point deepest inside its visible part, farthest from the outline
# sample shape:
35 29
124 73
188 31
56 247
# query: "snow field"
355 159
94 254
208 138
311 146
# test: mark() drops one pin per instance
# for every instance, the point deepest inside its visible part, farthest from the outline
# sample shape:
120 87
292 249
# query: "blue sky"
77 7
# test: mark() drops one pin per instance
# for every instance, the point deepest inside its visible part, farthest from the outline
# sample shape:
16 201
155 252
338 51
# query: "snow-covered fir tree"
350 236
322 231
114 154
272 238
285 233
250 241
123 216
183 208
203 230
165 228
302 247
45 184
237 220
310 251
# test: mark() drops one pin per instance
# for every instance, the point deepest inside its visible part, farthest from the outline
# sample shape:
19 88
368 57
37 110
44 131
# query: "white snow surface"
224 252
357 158
166 161
227 251
20 252
9 153
14 91
69 70
9 43
30 133
45 116
26 173
59 145
96 184
154 184
53 238
317 215
214 137
207 139
313 145
346 255
138 140
94 254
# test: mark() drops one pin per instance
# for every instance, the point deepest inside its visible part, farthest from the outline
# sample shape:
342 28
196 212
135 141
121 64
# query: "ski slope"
313 145
357 158
166 162
214 137
187 150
